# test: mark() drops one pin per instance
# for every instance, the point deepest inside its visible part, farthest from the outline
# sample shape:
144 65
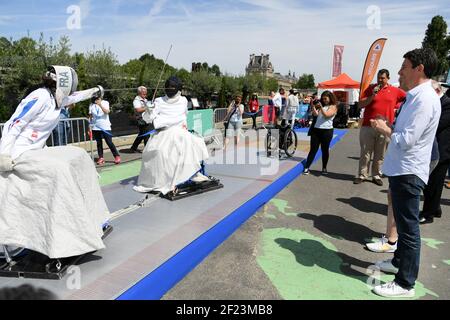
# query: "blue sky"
298 35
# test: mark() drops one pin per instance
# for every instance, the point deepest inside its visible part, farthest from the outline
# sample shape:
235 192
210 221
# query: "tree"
204 85
437 39
185 77
215 70
306 81
271 85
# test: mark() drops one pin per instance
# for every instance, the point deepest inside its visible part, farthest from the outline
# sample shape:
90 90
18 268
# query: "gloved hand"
6 163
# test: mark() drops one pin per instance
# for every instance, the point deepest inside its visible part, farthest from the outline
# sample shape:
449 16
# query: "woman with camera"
233 120
322 130
101 128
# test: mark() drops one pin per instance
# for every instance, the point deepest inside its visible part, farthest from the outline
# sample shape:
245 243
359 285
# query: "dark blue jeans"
405 192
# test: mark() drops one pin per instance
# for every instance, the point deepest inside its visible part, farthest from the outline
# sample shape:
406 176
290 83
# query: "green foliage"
436 38
306 81
23 62
204 85
272 85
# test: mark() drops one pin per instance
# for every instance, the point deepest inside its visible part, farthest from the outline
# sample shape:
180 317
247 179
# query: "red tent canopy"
341 82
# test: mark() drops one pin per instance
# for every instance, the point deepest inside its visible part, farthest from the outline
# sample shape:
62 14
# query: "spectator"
233 119
140 104
322 132
101 127
271 107
283 103
388 242
304 112
278 104
253 106
62 130
381 101
407 165
433 191
291 109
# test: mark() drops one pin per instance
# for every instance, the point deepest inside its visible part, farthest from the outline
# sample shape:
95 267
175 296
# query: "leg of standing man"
380 146
143 129
367 141
405 191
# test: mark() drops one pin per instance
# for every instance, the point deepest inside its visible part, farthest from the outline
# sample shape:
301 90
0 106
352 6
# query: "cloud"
5 20
85 7
157 8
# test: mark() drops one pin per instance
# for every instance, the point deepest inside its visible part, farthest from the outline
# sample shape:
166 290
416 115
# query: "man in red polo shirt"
381 101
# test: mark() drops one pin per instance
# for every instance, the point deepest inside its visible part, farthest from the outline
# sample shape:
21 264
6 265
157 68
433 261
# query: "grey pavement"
329 207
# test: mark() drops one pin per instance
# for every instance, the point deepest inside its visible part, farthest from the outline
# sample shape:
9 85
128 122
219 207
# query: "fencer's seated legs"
198 184
201 175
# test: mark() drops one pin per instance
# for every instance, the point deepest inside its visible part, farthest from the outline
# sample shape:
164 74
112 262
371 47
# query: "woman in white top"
233 120
322 133
101 128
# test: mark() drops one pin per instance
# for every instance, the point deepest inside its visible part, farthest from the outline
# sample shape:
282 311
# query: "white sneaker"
386 266
382 246
306 172
142 189
200 178
393 290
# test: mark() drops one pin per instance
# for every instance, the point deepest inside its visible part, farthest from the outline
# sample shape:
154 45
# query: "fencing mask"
172 86
66 81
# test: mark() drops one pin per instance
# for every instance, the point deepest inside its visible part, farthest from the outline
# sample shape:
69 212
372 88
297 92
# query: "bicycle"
287 141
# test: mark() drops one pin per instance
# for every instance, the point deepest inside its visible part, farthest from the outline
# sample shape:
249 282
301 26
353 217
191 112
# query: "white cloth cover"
52 203
170 158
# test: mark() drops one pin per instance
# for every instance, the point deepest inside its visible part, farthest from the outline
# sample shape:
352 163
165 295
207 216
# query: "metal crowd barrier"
219 115
72 131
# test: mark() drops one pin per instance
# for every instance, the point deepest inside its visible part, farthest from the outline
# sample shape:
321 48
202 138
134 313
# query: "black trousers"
143 129
320 138
433 191
99 136
254 121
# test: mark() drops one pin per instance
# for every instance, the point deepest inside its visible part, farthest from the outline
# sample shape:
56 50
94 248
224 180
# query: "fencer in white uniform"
173 155
50 198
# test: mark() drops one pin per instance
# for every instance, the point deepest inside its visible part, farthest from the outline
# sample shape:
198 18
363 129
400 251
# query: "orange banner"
371 65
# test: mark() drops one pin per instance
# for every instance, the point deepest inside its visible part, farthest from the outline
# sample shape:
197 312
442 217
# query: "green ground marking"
432 243
446 262
305 267
282 206
271 216
115 174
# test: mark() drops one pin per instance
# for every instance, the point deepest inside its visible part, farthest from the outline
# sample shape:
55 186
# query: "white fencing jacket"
34 119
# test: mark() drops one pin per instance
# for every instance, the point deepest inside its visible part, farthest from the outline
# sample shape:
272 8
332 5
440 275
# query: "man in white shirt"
140 104
278 103
407 164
